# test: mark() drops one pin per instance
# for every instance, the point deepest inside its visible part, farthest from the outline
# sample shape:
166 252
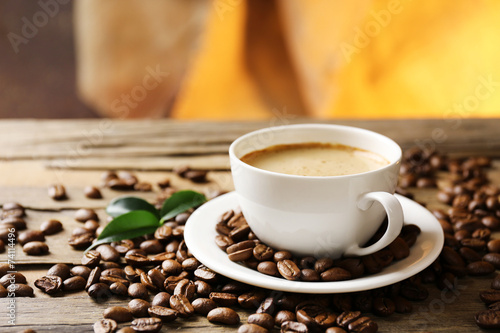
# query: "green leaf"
123 235
179 202
122 205
137 219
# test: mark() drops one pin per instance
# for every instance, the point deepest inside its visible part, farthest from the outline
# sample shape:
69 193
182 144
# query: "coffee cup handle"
395 222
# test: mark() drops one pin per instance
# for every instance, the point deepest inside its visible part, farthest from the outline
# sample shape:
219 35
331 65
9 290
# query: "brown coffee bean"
252 299
165 314
74 283
482 233
110 279
35 248
119 289
203 305
474 243
151 246
383 306
335 274
495 284
137 259
161 299
323 264
119 314
414 292
494 246
171 267
205 274
185 287
268 305
224 299
282 255
335 330
268 268
223 242
182 305
469 254
30 236
203 289
354 265
105 326
91 258
94 276
262 252
294 327
288 269
92 192
51 227
61 270
190 264
226 316
399 249
491 222
363 324
10 278
490 296
21 290
156 278
371 265
138 290
82 271
241 255
488 319
262 319
99 291
139 307
81 242
480 268
85 214
451 257
309 275
251 328
57 192
149 325
108 253
493 258
284 315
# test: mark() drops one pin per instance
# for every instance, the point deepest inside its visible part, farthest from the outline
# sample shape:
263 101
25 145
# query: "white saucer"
199 234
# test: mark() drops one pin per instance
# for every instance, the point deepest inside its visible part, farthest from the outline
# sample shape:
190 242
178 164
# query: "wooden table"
35 154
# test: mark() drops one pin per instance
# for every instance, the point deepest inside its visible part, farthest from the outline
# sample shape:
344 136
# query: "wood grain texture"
30 160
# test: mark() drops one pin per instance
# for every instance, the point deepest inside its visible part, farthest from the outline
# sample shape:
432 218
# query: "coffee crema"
315 159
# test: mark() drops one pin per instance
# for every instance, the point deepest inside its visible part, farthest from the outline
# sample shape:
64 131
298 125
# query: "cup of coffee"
317 189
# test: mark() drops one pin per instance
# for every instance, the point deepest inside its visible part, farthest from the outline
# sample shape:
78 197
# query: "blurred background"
249 59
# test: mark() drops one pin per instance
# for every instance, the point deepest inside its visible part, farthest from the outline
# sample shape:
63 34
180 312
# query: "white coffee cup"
319 216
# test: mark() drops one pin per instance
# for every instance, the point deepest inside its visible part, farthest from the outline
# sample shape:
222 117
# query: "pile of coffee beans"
473 215
241 245
13 283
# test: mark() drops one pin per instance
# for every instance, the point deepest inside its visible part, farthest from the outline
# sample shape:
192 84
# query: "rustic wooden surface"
35 154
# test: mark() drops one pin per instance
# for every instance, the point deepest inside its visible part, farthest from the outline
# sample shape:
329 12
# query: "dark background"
39 80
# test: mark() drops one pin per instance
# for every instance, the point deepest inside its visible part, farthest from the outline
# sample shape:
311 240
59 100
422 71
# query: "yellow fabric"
432 59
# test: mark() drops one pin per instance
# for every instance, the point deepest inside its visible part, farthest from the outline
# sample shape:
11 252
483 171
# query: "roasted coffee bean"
17 223
114 271
74 283
223 315
353 265
251 328
182 252
335 330
57 192
105 326
156 278
224 299
187 288
261 319
363 324
383 306
335 274
61 270
85 214
495 284
161 299
468 223
488 319
288 269
139 307
363 301
462 234
51 227
323 264
241 255
82 271
110 279
12 209
10 278
99 291
268 305
252 299
203 305
235 287
111 265
205 274
383 257
494 306
284 315
342 302
480 268
108 253
143 187
190 264
268 268
451 257
171 267
491 222
163 233
474 243
21 290
309 275
181 304
325 320
399 249
240 233
152 246
91 258
494 246
94 276
35 248
402 305
490 296
203 289
371 265
293 327
119 289
482 233
92 192
223 242
262 252
165 314
413 292
138 290
282 255
81 242
469 254
172 281
118 314
149 325
137 259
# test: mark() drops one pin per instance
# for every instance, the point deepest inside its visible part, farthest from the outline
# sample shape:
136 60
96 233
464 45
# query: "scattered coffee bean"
85 214
92 192
488 319
105 326
139 307
57 192
35 248
149 325
226 316
164 313
49 284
